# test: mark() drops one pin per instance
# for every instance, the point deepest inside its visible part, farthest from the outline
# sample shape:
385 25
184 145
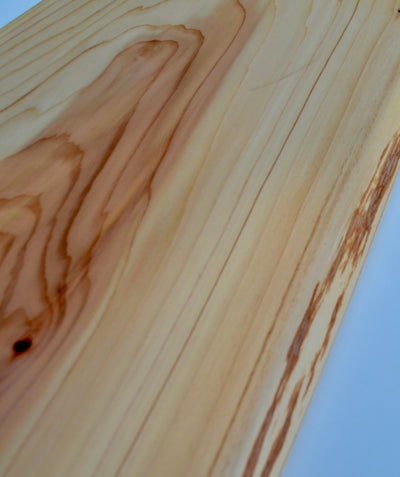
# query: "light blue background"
352 428
10 9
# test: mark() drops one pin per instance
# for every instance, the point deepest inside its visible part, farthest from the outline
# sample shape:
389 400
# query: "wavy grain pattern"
187 194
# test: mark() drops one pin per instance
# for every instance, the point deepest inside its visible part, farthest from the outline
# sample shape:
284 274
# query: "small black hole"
398 11
21 346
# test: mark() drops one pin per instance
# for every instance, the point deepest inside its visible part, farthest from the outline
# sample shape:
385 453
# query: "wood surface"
188 191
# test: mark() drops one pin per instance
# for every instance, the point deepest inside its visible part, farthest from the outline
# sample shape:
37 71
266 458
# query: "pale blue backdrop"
352 428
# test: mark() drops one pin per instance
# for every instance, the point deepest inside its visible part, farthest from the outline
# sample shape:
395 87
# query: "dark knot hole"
21 346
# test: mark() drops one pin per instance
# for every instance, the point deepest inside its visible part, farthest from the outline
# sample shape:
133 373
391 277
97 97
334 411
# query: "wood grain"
188 191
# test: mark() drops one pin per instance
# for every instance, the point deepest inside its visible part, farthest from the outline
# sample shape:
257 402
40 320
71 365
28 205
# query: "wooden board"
188 191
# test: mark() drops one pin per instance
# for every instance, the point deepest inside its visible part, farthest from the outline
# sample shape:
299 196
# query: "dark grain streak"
279 442
321 352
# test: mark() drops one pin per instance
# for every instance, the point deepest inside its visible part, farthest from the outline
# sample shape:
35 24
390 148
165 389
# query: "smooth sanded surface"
354 237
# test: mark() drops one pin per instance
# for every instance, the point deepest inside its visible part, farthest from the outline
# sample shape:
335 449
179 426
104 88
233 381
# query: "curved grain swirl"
94 164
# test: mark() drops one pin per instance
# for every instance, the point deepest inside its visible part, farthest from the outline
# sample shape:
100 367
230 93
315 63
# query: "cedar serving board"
188 191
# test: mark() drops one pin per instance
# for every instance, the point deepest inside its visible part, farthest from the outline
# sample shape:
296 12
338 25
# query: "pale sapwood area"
188 191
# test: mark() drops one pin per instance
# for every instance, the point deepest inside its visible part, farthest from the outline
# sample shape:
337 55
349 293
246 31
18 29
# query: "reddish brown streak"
348 254
292 358
281 437
321 352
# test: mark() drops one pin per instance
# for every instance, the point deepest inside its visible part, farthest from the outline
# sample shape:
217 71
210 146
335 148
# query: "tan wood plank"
188 191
